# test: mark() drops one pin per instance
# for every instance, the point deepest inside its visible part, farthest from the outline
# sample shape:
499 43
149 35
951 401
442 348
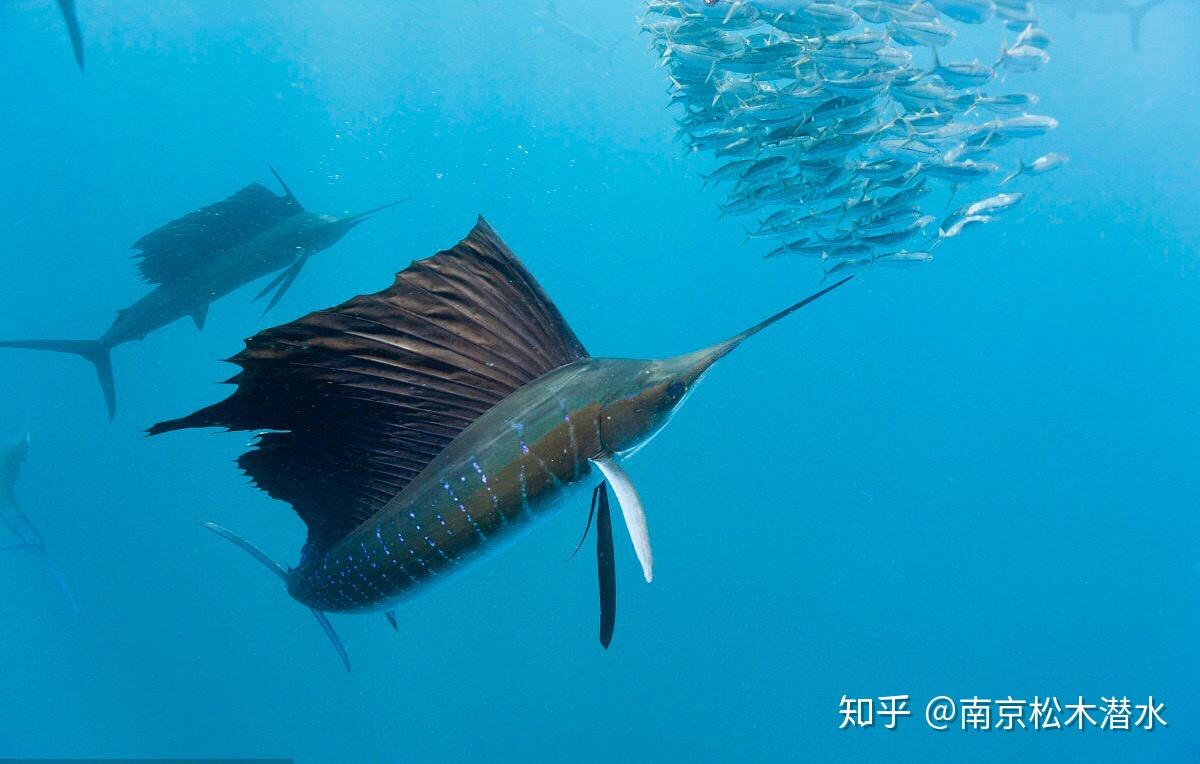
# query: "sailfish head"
643 395
330 229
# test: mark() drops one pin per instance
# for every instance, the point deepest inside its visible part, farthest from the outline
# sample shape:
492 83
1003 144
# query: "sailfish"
203 256
23 534
419 429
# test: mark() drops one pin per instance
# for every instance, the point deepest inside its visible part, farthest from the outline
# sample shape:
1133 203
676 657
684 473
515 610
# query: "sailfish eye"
676 390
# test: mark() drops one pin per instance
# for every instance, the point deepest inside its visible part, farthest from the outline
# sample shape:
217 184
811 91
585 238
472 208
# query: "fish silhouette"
205 255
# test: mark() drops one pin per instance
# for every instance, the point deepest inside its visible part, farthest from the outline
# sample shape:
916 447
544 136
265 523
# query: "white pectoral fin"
631 509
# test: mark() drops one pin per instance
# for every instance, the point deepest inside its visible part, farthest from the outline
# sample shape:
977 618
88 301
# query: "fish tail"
1020 169
93 350
277 569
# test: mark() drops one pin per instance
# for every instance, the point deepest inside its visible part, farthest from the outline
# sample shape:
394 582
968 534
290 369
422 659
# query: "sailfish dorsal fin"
359 398
174 249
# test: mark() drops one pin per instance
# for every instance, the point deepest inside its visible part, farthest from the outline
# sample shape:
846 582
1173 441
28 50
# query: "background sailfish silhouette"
205 255
416 429
24 535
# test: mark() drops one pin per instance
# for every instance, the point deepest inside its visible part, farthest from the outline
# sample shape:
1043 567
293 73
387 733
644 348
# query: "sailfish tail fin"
277 569
93 350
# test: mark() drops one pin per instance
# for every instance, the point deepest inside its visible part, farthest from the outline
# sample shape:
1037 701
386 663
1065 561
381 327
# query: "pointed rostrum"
357 399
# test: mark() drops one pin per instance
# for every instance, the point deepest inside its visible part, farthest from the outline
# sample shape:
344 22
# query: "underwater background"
976 477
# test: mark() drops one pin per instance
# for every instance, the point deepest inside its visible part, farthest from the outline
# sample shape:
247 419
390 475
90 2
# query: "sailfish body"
417 429
203 256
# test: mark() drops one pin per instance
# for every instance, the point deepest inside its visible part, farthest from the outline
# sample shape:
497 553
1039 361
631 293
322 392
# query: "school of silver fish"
847 126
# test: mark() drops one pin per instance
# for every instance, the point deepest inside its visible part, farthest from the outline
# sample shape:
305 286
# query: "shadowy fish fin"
357 399
61 580
588 526
287 192
606 567
199 316
175 249
631 508
72 18
11 460
390 615
285 281
278 570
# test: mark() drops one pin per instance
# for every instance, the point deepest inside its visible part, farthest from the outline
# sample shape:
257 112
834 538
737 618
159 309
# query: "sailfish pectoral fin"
606 567
631 509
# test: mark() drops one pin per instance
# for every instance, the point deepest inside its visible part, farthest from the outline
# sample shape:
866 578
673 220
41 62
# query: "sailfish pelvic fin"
278 570
631 509
606 568
284 282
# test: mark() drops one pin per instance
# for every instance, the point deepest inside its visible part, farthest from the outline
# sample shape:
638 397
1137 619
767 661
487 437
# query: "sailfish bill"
415 429
201 257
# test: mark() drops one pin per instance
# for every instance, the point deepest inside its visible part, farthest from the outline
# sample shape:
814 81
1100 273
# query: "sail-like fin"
631 509
278 570
199 316
606 568
390 615
353 401
92 350
176 248
72 18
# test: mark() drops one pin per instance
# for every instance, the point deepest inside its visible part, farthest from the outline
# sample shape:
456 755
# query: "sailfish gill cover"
970 474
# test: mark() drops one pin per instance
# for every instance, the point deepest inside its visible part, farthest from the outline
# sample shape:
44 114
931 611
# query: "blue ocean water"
977 477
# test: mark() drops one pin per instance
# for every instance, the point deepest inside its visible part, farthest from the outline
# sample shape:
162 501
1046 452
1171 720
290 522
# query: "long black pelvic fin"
277 569
92 350
606 567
